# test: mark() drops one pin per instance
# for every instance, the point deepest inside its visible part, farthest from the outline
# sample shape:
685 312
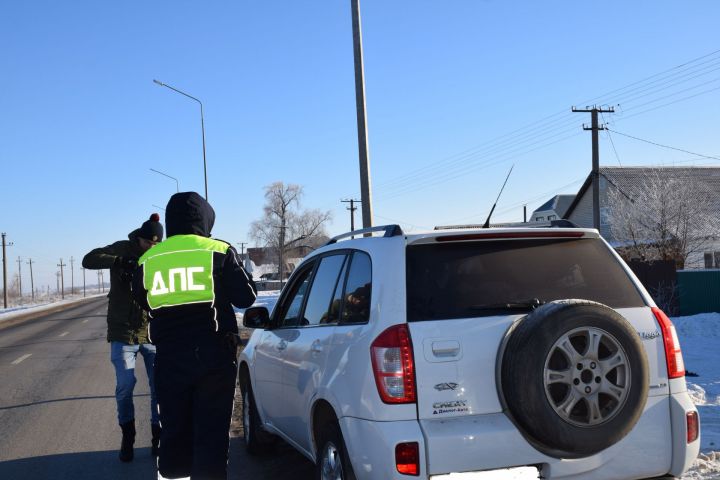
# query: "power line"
611 140
664 146
511 145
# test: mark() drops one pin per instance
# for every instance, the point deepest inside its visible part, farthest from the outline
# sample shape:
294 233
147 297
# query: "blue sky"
82 122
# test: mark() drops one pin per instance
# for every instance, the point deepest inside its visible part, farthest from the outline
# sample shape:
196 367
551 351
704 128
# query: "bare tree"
662 218
284 223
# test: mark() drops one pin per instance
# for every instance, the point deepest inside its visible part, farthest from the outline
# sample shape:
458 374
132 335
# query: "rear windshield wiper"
530 304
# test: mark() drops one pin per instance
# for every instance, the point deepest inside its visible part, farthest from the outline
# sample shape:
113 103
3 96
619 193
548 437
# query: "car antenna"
487 222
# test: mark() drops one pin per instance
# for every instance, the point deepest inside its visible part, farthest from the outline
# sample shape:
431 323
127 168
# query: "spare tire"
574 377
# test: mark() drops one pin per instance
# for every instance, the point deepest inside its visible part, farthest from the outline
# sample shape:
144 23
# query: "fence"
699 291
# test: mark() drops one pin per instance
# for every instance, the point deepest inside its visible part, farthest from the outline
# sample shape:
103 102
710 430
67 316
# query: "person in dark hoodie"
128 327
189 284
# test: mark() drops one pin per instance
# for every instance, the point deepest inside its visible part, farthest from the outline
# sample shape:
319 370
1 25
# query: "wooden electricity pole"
352 209
32 282
62 280
595 128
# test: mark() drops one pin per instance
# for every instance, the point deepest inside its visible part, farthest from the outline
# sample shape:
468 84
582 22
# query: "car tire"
574 377
333 462
257 440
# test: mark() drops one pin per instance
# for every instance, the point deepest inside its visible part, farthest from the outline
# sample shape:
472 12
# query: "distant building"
553 209
631 180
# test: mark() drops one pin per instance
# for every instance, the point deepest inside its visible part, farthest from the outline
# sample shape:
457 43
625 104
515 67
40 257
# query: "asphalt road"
57 407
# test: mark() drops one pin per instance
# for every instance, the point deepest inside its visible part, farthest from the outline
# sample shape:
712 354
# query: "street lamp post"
202 125
177 184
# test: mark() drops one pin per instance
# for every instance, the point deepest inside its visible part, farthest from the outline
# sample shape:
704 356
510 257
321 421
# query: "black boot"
128 440
156 430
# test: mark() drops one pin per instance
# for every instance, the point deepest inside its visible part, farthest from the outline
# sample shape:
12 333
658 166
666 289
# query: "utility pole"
363 150
102 280
32 282
57 281
352 209
62 279
242 250
72 276
19 262
83 270
98 280
595 128
282 251
5 303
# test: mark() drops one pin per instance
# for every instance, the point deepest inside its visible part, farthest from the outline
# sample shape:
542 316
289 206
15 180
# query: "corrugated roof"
631 181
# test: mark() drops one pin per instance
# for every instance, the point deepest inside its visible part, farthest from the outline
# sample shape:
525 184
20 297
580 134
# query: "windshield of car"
477 279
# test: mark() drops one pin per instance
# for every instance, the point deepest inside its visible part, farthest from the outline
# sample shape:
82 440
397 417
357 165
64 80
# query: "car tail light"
673 354
393 366
407 458
693 426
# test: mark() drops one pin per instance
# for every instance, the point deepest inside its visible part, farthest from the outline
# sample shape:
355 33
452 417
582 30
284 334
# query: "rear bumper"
655 449
684 454
371 447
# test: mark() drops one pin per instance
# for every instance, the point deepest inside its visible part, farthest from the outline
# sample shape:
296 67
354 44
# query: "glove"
127 266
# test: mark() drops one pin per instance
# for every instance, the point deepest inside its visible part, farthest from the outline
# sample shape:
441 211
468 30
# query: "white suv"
448 353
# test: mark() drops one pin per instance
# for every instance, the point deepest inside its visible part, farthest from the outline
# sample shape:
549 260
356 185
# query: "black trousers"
195 385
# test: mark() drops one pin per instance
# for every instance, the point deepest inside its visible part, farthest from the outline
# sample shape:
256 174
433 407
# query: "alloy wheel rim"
331 467
587 377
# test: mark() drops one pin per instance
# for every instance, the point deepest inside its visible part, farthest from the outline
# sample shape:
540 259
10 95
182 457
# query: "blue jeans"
123 357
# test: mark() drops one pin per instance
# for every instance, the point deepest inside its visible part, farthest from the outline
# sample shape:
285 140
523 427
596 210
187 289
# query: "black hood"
189 213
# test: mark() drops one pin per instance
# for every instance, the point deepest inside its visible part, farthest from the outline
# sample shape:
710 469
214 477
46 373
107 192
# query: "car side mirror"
256 317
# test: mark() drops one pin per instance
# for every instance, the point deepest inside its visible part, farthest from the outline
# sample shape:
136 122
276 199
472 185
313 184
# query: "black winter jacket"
127 322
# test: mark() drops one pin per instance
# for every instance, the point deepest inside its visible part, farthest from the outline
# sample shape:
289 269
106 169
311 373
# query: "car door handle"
316 347
282 345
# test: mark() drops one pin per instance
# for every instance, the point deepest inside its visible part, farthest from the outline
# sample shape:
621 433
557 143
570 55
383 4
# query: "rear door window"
358 290
468 279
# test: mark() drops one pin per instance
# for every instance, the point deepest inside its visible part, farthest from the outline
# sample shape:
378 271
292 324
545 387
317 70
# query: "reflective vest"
179 271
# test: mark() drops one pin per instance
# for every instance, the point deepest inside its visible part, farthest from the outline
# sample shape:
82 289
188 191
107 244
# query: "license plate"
519 473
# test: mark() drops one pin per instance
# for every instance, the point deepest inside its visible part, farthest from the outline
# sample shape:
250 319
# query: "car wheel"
333 462
574 377
256 439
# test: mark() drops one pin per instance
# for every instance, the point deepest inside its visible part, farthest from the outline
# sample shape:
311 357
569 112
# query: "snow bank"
699 336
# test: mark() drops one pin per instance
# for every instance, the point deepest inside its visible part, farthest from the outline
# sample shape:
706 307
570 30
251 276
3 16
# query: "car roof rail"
390 231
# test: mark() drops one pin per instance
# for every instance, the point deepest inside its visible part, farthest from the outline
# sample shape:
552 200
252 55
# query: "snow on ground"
41 305
699 339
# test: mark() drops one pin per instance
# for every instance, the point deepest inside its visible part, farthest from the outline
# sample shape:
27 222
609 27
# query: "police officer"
189 283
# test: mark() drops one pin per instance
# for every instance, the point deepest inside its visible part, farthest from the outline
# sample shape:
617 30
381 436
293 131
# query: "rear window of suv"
470 279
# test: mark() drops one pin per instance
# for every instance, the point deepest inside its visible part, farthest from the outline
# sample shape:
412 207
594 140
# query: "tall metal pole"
202 126
363 150
83 270
4 271
72 276
32 282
